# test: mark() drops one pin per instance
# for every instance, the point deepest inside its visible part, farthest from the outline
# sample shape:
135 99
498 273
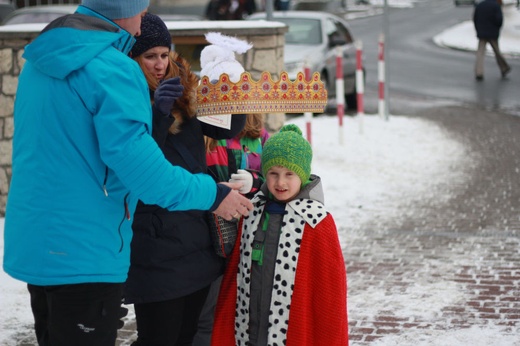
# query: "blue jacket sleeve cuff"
222 192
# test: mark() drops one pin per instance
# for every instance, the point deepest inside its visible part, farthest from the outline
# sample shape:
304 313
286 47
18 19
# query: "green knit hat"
288 149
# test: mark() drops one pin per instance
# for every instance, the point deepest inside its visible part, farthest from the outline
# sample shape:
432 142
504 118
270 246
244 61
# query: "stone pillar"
10 66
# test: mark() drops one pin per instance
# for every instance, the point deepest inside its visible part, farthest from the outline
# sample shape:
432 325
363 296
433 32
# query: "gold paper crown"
263 96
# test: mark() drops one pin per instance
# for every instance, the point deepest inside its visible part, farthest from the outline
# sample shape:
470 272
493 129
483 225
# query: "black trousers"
80 315
171 322
206 318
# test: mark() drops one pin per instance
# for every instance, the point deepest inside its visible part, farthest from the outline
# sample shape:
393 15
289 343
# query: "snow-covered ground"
380 163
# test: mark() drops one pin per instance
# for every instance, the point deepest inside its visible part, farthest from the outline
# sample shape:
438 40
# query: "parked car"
312 38
6 7
38 14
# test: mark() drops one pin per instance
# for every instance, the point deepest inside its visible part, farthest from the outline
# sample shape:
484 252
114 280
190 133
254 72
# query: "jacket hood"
72 41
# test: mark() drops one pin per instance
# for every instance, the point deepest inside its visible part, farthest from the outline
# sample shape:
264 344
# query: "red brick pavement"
402 282
441 267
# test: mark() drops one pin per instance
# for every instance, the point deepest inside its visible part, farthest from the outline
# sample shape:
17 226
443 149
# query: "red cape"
318 313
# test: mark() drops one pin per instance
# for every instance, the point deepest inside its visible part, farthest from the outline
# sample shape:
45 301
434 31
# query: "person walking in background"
239 159
229 9
282 5
173 261
83 155
217 10
285 283
488 18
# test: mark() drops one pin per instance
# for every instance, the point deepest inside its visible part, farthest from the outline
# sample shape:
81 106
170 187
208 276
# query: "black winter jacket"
171 252
487 19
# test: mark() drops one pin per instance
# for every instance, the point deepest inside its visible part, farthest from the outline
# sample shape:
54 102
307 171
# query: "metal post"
269 9
308 115
381 76
340 92
386 30
360 85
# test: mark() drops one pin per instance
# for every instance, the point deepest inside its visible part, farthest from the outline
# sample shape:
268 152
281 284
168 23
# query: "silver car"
312 38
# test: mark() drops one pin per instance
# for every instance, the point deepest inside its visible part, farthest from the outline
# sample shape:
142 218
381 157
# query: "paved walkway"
449 261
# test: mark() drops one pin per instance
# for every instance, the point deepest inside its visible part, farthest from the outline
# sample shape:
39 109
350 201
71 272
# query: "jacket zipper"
127 217
105 182
125 207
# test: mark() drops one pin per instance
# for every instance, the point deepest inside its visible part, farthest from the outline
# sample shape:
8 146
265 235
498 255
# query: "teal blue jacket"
83 155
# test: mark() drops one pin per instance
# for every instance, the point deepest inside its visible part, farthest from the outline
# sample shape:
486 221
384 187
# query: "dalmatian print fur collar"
298 213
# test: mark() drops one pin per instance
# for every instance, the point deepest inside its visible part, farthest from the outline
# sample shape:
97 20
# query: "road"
416 67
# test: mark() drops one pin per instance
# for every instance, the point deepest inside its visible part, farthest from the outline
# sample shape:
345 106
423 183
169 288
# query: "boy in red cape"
285 283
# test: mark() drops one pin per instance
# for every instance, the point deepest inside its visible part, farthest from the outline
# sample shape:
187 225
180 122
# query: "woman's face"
155 61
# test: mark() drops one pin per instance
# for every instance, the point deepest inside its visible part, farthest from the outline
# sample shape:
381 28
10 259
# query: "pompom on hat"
117 9
154 33
288 149
219 56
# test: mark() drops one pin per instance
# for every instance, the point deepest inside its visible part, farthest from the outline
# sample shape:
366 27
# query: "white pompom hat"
219 56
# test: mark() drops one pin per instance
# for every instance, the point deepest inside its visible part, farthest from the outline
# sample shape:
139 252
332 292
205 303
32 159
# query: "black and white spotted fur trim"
298 212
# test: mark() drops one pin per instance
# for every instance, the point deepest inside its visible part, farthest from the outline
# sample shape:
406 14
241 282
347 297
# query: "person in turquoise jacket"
83 155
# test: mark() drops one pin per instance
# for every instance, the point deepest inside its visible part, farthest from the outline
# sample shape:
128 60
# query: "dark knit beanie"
288 149
117 9
154 33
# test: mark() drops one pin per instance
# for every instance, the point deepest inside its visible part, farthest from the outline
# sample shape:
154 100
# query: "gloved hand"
243 177
166 94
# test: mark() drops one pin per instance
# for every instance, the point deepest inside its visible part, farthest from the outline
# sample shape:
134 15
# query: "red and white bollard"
360 84
381 76
340 92
308 115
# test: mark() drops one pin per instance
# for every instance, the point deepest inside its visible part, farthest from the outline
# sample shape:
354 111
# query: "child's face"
283 183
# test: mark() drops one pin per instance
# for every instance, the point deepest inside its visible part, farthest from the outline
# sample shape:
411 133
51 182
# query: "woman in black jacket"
172 259
488 19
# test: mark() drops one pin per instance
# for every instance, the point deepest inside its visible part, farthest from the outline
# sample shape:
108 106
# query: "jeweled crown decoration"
262 96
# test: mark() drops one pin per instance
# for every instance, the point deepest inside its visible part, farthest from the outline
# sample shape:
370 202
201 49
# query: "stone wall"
266 55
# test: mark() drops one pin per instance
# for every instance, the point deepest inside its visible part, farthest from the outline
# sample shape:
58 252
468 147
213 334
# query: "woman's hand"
166 94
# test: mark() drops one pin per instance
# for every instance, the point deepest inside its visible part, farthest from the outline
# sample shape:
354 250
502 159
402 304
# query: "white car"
312 38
